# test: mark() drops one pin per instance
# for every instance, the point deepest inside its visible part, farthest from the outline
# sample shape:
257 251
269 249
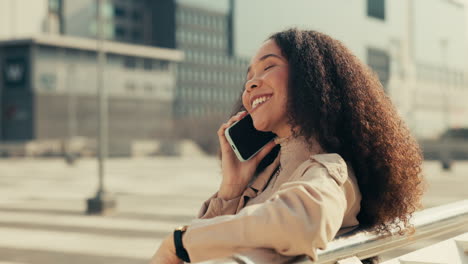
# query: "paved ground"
42 205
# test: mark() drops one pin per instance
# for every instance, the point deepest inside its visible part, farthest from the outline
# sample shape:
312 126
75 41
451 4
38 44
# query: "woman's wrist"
230 191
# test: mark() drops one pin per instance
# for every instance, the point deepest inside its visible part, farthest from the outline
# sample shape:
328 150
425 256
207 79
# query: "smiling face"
266 90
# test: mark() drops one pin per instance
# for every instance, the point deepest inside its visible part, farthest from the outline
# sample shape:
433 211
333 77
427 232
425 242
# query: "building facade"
210 77
48 90
209 80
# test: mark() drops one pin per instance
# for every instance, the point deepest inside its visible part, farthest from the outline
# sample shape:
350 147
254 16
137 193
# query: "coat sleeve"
302 216
216 206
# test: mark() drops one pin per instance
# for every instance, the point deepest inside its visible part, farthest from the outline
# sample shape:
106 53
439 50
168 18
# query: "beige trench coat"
291 216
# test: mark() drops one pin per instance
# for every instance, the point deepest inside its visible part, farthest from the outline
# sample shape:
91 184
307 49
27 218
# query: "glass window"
183 36
148 64
379 61
193 18
136 35
210 21
164 65
119 12
181 72
73 53
130 62
376 9
189 75
202 39
182 17
220 24
113 59
89 56
136 15
120 32
210 76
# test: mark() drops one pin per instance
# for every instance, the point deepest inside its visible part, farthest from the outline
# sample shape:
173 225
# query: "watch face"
182 228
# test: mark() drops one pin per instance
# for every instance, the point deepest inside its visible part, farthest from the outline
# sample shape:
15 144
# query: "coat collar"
262 179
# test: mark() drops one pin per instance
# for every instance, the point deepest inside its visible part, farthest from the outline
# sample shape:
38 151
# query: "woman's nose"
251 84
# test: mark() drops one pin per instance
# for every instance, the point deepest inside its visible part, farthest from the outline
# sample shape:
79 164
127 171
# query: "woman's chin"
261 126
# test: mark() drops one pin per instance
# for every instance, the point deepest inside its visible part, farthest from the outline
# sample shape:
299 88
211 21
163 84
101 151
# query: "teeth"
260 100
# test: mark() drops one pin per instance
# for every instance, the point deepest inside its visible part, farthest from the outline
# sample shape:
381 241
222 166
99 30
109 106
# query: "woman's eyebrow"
264 57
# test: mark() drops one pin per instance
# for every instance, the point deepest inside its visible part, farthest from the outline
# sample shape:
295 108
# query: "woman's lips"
259 97
260 105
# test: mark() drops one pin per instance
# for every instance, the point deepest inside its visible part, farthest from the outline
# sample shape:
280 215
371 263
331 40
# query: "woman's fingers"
221 129
236 117
231 121
242 114
222 138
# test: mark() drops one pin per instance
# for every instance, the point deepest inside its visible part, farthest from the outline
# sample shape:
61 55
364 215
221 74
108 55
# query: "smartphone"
245 140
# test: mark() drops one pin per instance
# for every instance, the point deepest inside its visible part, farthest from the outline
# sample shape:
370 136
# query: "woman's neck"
295 150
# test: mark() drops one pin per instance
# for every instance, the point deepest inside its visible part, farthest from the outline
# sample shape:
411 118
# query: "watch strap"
179 246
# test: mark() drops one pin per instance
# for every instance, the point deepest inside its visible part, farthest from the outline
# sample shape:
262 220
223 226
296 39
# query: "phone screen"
246 139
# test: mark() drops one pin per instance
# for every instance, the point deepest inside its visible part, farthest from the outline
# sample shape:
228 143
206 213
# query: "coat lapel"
259 184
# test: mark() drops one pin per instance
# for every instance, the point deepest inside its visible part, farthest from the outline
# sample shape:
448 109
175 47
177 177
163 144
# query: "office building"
48 90
209 79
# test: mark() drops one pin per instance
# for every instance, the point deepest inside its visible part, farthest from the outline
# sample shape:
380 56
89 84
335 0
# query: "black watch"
179 247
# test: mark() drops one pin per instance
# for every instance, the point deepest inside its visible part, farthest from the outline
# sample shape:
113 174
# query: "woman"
346 158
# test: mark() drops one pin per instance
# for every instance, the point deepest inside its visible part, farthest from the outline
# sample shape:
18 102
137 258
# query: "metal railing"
428 223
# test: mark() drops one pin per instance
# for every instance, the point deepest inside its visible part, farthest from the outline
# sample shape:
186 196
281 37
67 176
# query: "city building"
209 73
48 90
123 20
210 78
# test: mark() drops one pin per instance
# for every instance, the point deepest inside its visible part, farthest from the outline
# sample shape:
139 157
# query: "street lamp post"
103 202
68 150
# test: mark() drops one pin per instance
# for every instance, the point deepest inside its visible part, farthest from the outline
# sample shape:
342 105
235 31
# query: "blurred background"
109 108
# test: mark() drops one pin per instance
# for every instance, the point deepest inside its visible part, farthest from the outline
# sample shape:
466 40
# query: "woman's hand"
236 174
166 253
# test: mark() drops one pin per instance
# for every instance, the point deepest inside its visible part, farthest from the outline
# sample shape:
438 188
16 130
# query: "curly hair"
337 99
